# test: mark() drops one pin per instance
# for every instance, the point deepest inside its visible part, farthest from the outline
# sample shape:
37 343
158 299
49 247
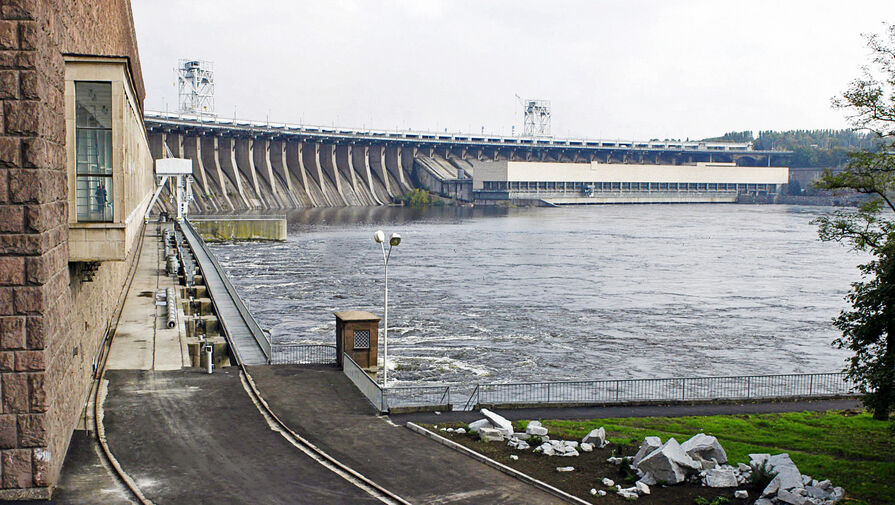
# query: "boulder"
586 447
648 479
628 494
791 498
514 457
498 421
649 445
816 492
741 494
460 430
642 488
826 485
481 423
705 447
720 477
593 492
601 493
756 459
838 494
787 472
596 437
669 463
523 445
565 469
608 482
522 435
763 501
536 430
547 449
491 435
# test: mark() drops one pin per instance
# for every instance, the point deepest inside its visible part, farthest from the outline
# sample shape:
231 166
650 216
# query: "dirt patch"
590 469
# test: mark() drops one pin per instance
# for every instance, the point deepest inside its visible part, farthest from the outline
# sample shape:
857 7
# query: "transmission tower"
195 87
536 121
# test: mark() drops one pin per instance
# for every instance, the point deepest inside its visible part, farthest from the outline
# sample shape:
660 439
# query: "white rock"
608 482
481 423
570 453
838 494
705 447
756 459
460 430
570 443
826 485
491 435
534 423
523 445
586 447
649 445
614 460
565 469
741 494
514 457
596 437
498 421
791 498
593 492
669 463
721 477
819 493
601 493
521 435
547 449
763 501
628 494
641 487
743 467
787 472
536 430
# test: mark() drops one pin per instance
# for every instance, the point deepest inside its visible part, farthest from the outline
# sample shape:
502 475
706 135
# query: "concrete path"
142 340
322 405
187 437
637 411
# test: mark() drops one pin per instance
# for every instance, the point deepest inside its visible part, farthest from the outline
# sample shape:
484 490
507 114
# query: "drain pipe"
172 309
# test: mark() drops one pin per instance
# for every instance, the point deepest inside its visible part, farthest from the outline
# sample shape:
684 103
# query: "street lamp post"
393 240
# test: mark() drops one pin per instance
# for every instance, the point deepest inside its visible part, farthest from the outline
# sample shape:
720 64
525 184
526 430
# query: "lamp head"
379 236
394 239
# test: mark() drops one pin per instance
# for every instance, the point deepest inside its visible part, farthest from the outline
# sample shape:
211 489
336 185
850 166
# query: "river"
615 291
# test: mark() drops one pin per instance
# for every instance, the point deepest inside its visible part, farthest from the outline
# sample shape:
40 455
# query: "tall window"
93 139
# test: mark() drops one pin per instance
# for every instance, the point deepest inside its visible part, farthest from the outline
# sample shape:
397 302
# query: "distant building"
555 183
75 180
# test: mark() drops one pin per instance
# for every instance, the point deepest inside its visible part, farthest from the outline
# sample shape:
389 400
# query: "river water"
614 291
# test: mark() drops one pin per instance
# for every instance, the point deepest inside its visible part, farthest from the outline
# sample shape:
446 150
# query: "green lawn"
852 450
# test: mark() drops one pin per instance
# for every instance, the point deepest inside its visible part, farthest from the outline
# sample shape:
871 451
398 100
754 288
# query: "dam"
245 166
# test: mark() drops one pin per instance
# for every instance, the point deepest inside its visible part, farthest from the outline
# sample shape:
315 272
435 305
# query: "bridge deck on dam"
247 342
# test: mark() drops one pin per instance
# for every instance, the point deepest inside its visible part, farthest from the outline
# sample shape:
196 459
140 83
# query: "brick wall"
50 322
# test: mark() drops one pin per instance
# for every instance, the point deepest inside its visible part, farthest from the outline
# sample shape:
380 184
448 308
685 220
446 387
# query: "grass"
853 450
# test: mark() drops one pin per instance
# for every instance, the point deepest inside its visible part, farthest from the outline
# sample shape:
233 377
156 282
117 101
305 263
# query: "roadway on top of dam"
160 121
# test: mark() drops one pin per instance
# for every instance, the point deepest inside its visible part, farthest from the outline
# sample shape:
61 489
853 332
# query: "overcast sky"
612 69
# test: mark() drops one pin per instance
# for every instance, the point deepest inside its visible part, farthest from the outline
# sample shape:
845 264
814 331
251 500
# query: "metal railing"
417 396
303 354
671 389
364 383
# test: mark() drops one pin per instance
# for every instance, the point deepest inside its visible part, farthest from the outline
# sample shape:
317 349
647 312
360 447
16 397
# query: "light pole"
393 240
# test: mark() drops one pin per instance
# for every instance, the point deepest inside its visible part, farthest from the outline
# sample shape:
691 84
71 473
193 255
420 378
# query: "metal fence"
417 396
364 383
303 354
673 389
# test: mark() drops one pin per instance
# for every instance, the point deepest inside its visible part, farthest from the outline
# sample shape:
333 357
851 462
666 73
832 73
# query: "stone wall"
50 322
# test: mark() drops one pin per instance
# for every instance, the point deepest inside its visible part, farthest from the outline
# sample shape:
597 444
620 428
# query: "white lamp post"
393 240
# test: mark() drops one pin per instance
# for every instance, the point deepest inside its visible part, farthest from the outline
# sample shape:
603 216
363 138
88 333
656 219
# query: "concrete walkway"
322 405
142 341
186 437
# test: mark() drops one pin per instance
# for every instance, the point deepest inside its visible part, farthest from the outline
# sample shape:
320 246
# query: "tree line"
825 148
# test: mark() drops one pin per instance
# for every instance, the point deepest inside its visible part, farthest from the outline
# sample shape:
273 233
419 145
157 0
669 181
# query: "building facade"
75 178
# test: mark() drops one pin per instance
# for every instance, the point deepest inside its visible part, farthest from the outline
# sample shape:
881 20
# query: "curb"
512 472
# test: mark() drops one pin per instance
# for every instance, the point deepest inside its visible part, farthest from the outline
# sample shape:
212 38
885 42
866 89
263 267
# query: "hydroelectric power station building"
555 183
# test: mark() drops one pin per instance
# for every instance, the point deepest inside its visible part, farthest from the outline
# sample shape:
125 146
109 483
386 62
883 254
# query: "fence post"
811 385
548 391
683 389
616 391
749 387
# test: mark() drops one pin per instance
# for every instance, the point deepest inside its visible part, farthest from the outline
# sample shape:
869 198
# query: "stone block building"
75 180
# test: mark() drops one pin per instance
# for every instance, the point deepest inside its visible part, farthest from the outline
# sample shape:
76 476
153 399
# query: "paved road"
322 405
636 411
187 437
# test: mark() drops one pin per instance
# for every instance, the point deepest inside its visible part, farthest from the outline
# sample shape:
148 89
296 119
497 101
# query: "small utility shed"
357 334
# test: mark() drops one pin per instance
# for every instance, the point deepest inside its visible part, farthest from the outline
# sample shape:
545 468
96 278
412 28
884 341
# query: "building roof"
356 315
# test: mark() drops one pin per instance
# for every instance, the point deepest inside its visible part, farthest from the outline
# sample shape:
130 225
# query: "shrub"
762 475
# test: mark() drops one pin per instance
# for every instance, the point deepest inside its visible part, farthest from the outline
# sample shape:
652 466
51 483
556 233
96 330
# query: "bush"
762 475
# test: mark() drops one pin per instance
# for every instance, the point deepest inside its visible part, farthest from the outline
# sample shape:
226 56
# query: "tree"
868 327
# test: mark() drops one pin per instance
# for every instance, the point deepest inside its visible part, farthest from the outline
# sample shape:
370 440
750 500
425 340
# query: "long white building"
594 182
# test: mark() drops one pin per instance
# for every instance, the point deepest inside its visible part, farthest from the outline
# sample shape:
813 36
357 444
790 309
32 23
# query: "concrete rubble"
701 459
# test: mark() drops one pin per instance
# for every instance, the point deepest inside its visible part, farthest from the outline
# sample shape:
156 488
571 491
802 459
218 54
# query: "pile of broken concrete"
699 460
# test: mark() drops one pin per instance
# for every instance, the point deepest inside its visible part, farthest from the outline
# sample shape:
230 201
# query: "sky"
611 69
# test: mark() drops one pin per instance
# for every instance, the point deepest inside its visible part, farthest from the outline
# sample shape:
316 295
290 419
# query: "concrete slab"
142 341
322 405
187 437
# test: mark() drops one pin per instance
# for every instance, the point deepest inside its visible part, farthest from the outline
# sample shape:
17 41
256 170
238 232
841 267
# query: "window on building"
361 339
93 145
